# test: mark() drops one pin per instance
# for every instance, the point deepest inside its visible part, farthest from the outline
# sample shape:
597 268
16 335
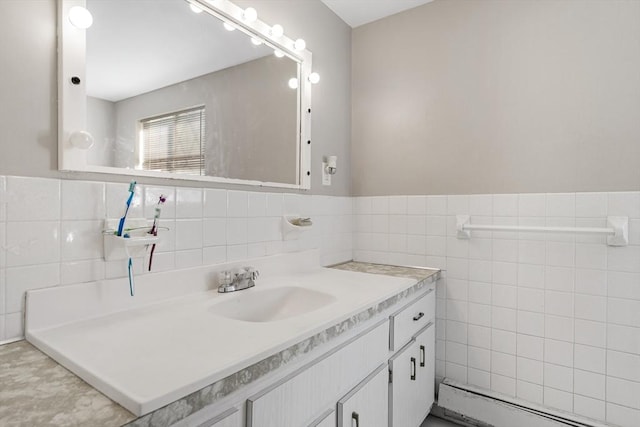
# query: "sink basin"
272 304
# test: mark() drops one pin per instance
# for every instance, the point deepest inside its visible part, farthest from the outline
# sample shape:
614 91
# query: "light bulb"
250 14
314 78
80 17
278 53
256 41
277 31
299 44
293 83
228 26
194 8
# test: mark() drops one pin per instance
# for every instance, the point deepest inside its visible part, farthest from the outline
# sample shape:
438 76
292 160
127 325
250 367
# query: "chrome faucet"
237 280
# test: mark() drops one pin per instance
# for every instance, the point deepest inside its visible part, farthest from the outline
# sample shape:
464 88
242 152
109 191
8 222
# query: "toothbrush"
131 285
154 227
132 188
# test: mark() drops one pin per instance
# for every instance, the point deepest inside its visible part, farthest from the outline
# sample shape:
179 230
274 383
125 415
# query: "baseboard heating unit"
479 407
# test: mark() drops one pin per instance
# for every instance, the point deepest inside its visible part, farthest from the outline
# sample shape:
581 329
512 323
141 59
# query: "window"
173 142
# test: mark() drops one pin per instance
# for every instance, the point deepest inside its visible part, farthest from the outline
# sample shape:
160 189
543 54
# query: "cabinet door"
403 399
412 380
229 418
327 419
425 378
367 404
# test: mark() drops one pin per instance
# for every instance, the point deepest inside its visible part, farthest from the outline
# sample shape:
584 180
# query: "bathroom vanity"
359 352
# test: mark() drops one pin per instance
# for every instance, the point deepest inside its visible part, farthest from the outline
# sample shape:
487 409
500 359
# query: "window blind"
174 142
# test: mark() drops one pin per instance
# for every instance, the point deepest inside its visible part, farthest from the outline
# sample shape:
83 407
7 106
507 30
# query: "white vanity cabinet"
412 367
301 397
367 404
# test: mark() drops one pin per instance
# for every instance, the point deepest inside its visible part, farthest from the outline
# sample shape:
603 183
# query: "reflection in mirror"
169 89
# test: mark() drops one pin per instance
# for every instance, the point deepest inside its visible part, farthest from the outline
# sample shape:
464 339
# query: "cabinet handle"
413 369
418 316
355 417
422 356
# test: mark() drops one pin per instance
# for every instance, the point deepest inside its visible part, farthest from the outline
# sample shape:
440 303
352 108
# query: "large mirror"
183 89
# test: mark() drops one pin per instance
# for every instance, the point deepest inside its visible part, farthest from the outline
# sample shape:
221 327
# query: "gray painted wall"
496 96
28 107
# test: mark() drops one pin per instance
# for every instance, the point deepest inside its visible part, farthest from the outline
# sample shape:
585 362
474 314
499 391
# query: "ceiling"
360 12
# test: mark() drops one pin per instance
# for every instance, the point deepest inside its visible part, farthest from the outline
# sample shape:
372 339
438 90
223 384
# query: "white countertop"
146 357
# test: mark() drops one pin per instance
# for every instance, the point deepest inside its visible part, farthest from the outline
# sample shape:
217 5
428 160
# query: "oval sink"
272 304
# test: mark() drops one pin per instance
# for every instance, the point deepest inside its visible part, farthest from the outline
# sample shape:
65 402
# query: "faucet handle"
252 272
225 278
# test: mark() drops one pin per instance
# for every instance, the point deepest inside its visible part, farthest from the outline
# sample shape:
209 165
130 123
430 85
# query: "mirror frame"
72 102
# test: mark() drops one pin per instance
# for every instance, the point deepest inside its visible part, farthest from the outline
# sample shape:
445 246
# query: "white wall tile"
623 338
623 365
530 370
624 204
188 234
558 399
559 303
214 255
588 407
214 232
558 352
505 204
32 199
479 314
380 205
532 276
398 205
82 271
622 416
559 279
560 254
530 299
591 307
503 341
504 296
456 353
257 204
481 204
530 323
81 240
503 318
21 279
623 392
14 325
436 205
592 359
531 252
589 384
456 331
558 328
530 347
417 205
503 364
623 312
83 200
30 243
558 377
398 224
456 372
480 292
436 225
417 225
479 378
458 205
590 333
591 205
479 336
531 205
189 258
238 204
593 256
215 203
3 201
623 258
530 392
561 205
591 282
504 385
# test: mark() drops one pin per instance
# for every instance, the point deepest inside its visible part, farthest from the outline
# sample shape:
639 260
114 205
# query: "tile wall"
550 318
50 232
